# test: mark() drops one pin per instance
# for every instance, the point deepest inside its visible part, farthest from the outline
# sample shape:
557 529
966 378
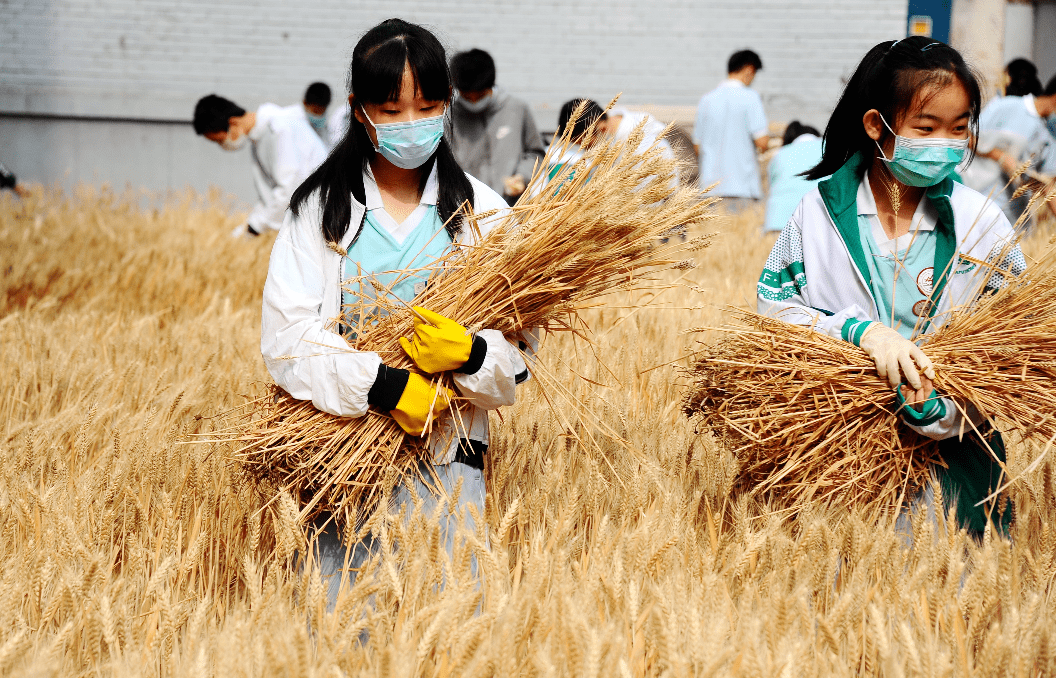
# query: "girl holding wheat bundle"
385 204
881 252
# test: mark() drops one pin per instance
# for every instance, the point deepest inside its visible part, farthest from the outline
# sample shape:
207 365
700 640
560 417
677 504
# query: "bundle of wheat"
812 420
592 229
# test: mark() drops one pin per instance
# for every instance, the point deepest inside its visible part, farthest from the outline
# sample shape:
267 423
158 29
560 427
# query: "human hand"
439 344
514 186
419 404
917 398
891 352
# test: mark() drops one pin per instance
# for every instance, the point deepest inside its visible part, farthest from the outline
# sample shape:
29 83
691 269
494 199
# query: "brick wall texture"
154 58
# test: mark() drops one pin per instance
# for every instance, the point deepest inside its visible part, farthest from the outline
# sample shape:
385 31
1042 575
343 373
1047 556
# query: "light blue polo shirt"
729 120
787 188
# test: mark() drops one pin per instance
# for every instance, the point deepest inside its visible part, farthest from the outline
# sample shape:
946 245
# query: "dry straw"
812 421
590 230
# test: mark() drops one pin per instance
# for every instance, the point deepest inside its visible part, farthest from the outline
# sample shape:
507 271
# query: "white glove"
890 350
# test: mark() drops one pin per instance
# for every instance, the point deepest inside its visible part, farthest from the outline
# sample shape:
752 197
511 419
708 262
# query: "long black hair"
888 79
1022 78
591 112
378 63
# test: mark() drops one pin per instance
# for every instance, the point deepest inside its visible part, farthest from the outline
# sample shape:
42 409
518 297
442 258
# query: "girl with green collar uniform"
383 204
881 252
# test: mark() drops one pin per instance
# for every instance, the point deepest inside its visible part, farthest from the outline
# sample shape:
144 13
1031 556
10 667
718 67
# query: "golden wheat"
127 553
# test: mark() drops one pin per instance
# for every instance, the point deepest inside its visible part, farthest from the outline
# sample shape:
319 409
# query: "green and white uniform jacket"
817 274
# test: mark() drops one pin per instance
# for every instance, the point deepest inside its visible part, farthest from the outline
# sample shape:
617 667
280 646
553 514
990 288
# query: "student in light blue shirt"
800 151
1012 131
730 128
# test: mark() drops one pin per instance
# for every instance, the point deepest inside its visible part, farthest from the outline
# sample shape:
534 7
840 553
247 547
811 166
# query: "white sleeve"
268 214
494 384
306 359
782 288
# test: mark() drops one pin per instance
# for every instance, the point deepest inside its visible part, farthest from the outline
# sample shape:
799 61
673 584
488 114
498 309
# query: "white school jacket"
816 275
310 361
285 150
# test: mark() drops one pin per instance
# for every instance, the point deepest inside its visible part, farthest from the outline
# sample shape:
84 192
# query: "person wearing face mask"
1013 132
494 136
880 252
316 101
283 146
384 205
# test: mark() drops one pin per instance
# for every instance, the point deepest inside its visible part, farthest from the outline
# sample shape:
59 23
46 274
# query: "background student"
730 129
494 136
800 151
284 148
1013 131
316 101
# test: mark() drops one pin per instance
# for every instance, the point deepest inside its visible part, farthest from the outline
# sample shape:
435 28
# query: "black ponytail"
375 76
887 79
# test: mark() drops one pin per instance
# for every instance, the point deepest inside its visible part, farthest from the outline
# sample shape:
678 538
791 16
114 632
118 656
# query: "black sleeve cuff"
476 356
388 387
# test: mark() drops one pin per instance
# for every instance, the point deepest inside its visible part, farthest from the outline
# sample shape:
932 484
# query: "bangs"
914 89
379 77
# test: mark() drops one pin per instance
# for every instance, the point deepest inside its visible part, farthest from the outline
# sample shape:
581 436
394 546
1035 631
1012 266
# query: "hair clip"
929 46
894 43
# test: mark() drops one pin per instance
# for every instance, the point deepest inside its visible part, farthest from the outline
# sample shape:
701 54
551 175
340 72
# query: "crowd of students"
878 245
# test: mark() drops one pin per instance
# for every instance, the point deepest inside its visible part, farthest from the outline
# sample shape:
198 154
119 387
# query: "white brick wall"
154 58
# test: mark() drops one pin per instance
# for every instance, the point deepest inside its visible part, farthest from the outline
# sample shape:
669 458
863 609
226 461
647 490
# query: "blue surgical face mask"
408 144
923 162
318 122
477 106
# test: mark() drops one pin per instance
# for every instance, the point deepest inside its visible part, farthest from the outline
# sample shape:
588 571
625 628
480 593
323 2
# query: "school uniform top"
337 122
820 274
300 341
787 188
1013 125
285 150
729 120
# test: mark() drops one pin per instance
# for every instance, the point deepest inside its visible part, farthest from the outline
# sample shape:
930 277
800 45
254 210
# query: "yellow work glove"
438 345
419 402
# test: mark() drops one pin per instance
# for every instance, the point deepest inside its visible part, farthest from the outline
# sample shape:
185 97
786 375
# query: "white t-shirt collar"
373 195
1032 106
925 218
399 231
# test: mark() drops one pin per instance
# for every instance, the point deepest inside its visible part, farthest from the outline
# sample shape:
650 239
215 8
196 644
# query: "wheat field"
128 549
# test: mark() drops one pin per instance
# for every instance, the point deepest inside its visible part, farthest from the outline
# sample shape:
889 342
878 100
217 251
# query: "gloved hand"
890 351
419 402
440 346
